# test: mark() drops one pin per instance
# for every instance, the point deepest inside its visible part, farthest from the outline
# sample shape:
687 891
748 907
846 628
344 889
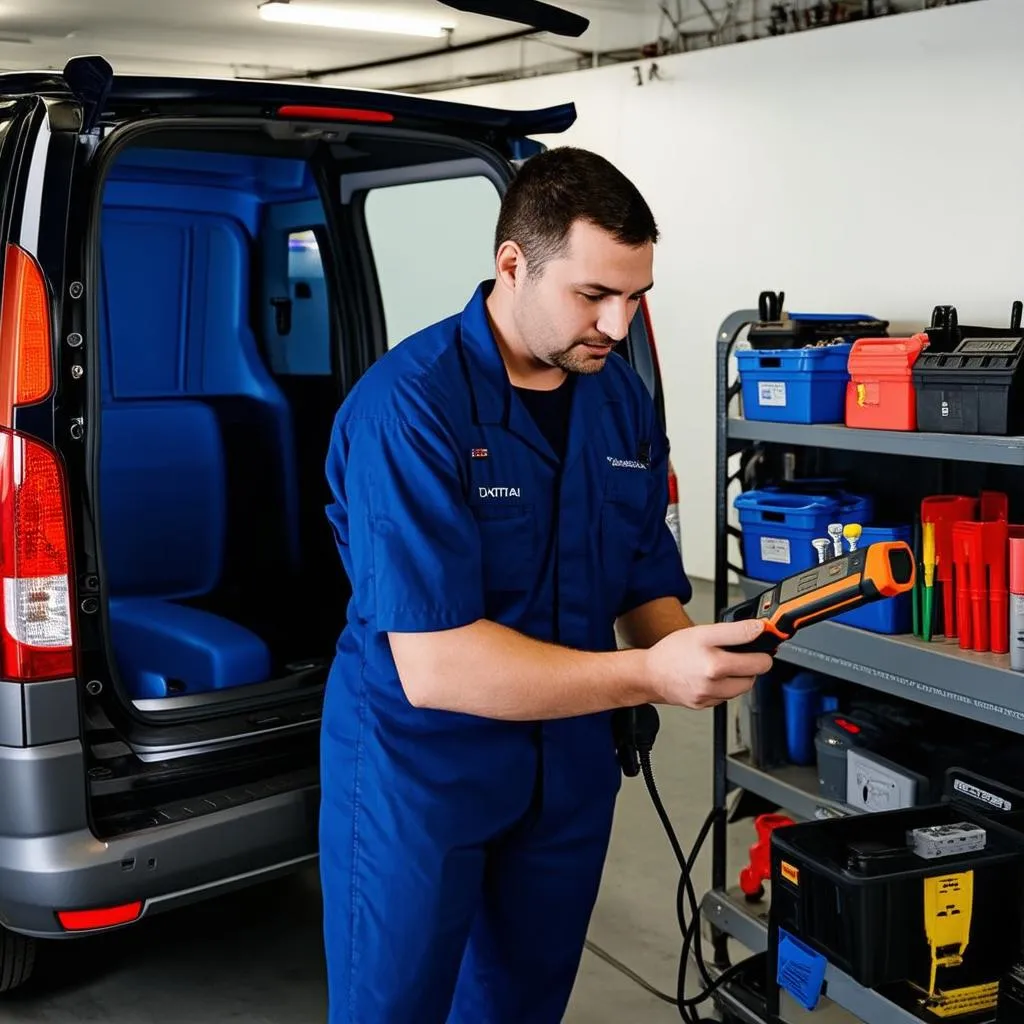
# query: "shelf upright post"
724 342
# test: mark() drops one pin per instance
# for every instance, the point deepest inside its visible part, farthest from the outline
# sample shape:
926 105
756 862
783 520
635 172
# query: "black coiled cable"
636 729
690 932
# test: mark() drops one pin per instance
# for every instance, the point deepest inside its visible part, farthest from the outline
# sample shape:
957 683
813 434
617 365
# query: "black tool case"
779 330
976 387
836 888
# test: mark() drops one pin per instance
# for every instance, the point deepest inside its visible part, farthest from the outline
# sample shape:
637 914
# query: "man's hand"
694 668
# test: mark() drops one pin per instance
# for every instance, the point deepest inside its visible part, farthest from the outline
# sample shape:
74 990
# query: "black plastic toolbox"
869 920
975 389
969 379
779 330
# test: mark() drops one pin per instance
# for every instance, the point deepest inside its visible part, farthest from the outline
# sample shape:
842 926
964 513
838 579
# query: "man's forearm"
490 670
643 627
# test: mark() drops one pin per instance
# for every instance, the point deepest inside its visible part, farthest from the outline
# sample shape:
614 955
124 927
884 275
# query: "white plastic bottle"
1017 604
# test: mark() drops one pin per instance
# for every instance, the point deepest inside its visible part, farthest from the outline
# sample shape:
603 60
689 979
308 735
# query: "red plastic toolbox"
880 394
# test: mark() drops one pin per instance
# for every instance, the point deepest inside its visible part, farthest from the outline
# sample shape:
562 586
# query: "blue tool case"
796 385
777 527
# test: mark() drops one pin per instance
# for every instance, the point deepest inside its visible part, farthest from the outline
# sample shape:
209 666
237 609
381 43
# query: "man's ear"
510 265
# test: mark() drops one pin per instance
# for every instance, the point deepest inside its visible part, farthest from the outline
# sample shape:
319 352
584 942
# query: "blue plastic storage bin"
894 615
804 697
801 698
777 528
796 385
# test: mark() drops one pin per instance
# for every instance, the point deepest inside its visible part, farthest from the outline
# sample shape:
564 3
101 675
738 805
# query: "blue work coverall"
461 856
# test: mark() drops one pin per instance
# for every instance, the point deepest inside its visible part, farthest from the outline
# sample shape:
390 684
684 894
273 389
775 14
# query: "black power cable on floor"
636 729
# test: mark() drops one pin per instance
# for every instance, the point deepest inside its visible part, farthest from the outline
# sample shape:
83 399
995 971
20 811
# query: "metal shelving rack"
975 686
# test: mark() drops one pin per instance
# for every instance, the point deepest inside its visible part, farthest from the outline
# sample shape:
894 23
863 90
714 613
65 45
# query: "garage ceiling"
227 38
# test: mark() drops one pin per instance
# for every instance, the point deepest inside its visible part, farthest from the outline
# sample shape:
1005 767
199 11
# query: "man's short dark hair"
555 189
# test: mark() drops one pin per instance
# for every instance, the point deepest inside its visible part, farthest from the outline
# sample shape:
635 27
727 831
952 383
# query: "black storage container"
975 389
834 890
946 331
968 380
777 329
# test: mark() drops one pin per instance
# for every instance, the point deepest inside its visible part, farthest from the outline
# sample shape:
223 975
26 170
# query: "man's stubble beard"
572 361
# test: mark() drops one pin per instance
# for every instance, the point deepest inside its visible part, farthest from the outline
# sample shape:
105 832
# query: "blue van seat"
165 649
162 494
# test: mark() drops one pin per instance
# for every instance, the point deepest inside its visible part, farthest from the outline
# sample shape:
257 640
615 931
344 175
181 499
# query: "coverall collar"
494 400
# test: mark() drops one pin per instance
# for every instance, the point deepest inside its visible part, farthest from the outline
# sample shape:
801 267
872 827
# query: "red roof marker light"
301 113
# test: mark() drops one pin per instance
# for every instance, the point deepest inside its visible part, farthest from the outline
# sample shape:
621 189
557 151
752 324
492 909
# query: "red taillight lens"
300 113
26 362
105 917
672 510
36 640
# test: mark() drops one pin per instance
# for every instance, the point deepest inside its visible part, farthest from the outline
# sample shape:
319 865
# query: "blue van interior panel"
174 324
195 431
162 490
166 649
146 338
258 178
186 200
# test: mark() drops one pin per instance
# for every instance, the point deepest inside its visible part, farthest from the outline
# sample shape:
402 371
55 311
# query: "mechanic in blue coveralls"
500 488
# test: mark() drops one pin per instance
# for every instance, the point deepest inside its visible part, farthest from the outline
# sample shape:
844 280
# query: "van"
195 273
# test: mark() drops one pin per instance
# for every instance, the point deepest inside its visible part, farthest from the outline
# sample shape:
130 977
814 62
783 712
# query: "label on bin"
775 549
771 392
801 971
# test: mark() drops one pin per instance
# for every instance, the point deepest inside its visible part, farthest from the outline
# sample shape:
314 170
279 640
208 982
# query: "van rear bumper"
164 866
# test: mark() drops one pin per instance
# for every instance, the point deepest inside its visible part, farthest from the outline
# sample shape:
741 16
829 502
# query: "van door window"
297 328
433 243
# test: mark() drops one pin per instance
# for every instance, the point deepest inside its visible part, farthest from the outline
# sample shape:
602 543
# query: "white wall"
877 166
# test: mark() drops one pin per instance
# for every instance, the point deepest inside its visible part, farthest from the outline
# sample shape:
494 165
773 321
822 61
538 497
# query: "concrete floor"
256 956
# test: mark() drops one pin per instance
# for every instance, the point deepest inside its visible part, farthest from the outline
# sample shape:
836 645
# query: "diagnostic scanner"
873 573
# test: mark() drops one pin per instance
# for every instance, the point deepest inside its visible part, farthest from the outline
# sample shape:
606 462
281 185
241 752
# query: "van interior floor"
256 955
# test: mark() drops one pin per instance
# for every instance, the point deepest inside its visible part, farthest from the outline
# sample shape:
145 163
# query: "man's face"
573 313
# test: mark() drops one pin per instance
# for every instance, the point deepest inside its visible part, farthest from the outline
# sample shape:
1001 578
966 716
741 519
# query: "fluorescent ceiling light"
353 19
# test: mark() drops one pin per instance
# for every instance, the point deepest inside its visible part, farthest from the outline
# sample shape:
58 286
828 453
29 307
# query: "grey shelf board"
981 687
987 448
729 912
794 788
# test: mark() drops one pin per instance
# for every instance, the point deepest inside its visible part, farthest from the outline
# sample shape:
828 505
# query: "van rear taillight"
26 361
36 640
672 509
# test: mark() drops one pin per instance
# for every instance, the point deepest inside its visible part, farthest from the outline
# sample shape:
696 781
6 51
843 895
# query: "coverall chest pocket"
508 540
623 513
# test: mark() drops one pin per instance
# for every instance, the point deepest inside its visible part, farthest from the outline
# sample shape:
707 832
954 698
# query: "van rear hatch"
140 757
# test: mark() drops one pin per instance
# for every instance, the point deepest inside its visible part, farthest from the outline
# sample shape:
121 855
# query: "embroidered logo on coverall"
499 492
625 463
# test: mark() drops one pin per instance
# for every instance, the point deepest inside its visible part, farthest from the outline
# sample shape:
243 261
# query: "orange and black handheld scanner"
873 573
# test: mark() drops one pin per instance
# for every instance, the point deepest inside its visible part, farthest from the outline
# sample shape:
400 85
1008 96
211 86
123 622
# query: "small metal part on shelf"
852 532
835 531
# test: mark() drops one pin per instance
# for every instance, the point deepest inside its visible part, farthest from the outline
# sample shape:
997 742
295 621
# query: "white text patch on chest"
625 463
499 492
